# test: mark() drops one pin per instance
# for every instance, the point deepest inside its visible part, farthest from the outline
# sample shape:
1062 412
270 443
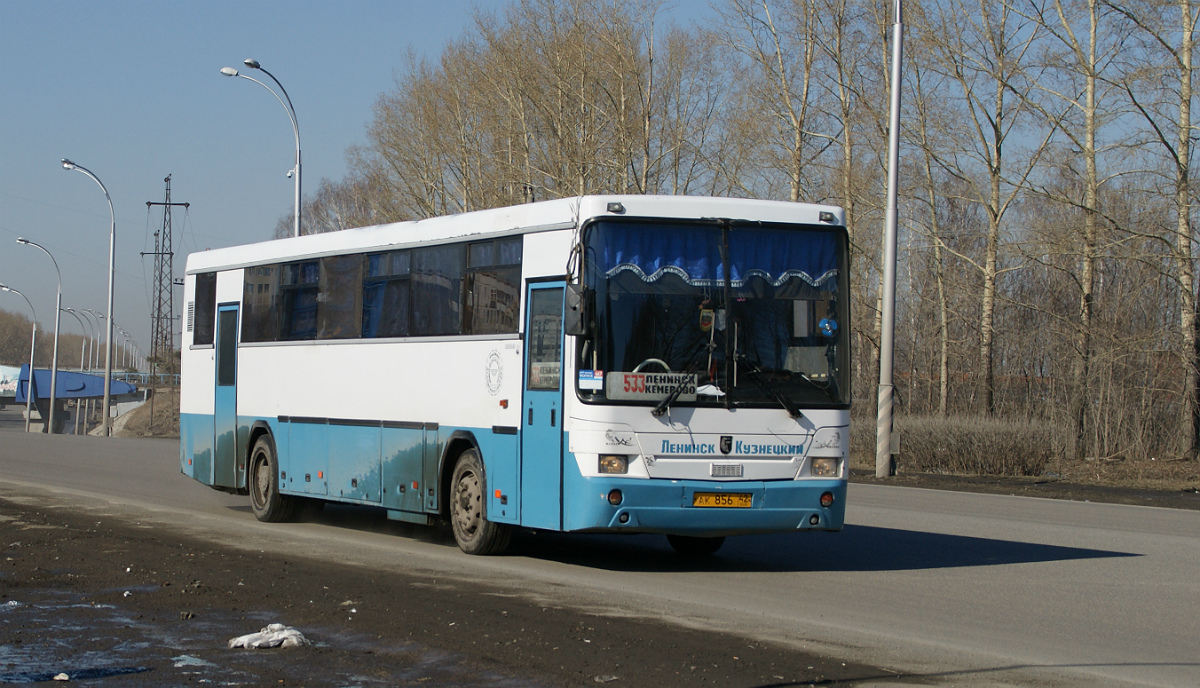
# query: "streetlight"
112 253
92 315
885 462
57 308
82 348
253 64
32 347
83 341
127 338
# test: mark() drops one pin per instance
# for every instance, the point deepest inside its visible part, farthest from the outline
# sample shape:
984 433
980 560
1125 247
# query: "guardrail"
146 379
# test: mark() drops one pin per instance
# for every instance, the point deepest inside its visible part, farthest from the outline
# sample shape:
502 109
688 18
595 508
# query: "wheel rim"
262 480
468 500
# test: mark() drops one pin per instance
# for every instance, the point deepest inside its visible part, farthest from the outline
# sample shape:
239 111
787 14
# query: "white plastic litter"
274 635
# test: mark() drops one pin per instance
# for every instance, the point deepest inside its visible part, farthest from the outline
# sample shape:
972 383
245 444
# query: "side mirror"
575 312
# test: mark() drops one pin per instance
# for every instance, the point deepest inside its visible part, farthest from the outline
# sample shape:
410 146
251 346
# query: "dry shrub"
963 445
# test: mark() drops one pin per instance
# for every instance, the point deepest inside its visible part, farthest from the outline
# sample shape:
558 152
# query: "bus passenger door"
541 413
225 399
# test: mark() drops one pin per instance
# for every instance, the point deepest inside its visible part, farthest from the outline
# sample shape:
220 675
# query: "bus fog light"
615 497
824 468
814 520
623 518
827 499
614 463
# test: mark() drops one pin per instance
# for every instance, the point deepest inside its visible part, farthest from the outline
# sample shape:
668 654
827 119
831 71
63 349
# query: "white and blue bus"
619 364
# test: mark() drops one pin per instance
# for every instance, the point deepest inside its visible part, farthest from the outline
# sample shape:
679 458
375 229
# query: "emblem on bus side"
493 373
726 444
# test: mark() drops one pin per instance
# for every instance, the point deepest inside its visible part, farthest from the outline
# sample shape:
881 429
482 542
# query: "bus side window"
437 274
339 306
491 288
205 315
260 308
300 289
386 295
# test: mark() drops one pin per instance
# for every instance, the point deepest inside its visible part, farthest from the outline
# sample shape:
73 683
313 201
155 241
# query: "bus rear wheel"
265 501
472 531
690 546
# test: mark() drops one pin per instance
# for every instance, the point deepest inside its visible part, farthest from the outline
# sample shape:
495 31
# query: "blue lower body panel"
665 506
397 468
196 446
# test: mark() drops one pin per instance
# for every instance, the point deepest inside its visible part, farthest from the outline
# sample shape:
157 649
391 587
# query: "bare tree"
780 46
1161 88
983 48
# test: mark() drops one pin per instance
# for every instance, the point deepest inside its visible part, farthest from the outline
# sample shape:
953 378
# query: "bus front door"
225 398
541 418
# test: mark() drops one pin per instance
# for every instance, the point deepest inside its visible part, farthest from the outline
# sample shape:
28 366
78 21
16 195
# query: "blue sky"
133 92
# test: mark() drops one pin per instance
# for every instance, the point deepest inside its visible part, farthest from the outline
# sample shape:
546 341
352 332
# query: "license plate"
740 500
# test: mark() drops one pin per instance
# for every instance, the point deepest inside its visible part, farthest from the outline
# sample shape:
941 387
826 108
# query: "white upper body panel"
546 215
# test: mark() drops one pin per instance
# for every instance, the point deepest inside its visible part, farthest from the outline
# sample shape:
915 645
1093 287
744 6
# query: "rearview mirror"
575 312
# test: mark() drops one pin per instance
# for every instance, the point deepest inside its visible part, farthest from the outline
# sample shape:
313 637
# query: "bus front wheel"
690 546
472 531
265 501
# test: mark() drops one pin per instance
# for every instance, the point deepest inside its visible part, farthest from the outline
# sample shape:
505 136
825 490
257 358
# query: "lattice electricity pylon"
162 320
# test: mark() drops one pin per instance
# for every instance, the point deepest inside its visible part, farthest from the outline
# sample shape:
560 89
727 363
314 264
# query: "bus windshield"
715 313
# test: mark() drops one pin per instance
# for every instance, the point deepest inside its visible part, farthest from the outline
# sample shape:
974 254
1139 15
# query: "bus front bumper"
672 506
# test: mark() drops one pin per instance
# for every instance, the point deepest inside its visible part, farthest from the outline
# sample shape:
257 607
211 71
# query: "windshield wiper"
683 383
772 390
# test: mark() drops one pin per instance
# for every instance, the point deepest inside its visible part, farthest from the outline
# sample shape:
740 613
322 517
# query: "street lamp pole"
127 338
96 337
91 405
291 111
112 254
83 341
79 403
885 462
57 311
32 347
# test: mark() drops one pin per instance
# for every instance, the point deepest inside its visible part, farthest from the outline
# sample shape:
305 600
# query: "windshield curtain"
693 253
660 307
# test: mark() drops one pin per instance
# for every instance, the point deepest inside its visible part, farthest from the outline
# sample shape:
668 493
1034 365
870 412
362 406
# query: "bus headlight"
823 468
614 463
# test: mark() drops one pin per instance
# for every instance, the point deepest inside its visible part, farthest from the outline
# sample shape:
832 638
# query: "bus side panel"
433 457
403 467
243 452
307 461
196 391
354 462
282 439
500 464
196 444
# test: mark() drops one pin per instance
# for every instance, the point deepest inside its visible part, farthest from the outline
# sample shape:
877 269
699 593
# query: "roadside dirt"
124 604
1169 484
158 417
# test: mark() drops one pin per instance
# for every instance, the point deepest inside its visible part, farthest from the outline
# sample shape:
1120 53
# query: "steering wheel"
659 361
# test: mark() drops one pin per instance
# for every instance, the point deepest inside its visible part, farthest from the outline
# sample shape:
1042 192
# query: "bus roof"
563 213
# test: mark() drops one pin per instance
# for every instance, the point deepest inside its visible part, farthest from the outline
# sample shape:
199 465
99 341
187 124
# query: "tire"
689 546
263 482
468 509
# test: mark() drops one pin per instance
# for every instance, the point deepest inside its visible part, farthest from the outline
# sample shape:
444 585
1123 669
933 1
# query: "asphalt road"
964 589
